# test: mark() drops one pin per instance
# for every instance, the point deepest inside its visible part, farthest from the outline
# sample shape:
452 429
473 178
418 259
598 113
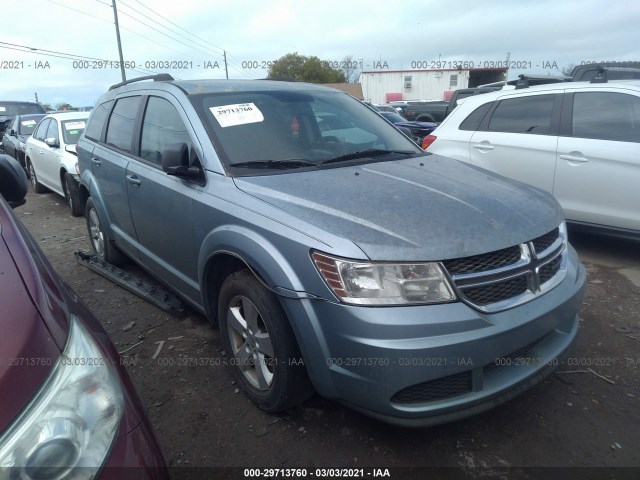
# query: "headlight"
68 428
369 283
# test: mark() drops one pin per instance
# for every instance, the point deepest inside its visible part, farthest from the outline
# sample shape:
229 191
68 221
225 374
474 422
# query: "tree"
566 70
296 67
350 67
46 106
64 106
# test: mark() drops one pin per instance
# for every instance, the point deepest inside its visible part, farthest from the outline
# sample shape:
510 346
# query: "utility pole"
226 71
36 94
115 16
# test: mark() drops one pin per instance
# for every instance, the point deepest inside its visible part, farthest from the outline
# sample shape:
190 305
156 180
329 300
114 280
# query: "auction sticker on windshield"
27 123
238 114
74 125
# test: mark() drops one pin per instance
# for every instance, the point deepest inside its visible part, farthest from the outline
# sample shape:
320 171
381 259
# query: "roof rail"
601 76
523 82
161 77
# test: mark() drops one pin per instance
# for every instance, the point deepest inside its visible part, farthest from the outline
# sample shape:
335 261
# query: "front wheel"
265 356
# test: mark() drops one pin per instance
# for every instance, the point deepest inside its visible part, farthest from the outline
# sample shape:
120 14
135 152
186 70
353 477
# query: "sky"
65 51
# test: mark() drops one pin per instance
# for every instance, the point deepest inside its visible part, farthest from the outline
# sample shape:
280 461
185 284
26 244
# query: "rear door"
109 162
598 168
518 138
161 205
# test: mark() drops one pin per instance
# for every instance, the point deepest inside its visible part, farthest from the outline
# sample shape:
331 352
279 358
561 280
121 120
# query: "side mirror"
12 133
52 142
13 181
175 161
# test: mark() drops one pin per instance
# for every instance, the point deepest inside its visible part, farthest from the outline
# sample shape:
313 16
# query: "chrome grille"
511 276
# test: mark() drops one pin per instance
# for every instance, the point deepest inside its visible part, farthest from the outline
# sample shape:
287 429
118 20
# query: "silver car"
406 285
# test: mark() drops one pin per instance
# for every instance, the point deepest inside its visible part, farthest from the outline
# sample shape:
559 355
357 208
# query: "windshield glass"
15 109
282 126
72 129
28 124
392 117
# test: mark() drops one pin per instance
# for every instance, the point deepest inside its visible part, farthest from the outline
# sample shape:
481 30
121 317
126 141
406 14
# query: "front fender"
256 251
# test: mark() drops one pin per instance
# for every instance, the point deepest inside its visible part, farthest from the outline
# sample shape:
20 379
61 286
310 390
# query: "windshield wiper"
375 152
280 164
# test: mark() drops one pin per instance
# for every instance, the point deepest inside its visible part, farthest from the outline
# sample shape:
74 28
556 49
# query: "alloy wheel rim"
97 237
250 343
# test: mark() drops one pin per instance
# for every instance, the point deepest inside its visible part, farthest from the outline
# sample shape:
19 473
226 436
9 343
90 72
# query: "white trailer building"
393 85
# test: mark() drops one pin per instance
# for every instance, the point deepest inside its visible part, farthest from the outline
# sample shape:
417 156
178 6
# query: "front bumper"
423 365
136 455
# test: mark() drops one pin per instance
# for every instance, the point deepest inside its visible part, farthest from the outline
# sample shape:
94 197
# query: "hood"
424 208
27 350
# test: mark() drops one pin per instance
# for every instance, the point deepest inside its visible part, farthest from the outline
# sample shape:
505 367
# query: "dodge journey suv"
336 257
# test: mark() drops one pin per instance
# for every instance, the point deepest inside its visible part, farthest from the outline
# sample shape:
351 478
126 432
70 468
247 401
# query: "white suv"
579 141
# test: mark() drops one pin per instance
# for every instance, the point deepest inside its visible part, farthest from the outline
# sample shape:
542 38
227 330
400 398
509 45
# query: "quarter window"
472 122
606 116
97 121
122 122
162 127
531 114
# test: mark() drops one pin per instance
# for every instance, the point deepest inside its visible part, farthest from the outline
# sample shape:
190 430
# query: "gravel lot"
586 415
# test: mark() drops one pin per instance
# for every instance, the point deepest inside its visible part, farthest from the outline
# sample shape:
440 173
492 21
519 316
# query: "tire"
265 356
73 195
37 186
101 244
425 117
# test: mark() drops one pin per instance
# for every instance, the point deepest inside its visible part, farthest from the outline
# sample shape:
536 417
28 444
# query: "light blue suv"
333 254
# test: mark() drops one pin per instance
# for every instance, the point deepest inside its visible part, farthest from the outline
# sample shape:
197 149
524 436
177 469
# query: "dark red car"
68 408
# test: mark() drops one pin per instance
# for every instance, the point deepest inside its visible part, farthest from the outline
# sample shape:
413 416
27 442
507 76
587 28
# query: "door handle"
484 146
574 158
134 180
96 161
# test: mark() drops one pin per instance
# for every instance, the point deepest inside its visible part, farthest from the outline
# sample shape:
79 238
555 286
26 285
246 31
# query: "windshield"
72 129
392 117
15 109
28 124
286 129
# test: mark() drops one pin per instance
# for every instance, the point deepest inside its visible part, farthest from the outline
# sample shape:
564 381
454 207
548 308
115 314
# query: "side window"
52 131
606 116
161 127
41 131
472 122
531 114
97 121
122 123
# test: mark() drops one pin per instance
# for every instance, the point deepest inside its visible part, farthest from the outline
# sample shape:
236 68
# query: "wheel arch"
231 248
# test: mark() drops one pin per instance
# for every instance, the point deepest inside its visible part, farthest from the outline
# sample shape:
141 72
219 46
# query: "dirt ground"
588 416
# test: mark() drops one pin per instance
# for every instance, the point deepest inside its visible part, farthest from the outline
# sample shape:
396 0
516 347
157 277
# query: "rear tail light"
428 140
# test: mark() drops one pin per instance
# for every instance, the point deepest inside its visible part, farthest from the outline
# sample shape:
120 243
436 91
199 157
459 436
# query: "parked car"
68 408
51 159
418 130
577 140
16 135
385 108
10 109
331 253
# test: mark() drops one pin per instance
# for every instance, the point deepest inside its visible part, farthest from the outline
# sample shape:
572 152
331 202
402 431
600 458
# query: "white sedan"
51 159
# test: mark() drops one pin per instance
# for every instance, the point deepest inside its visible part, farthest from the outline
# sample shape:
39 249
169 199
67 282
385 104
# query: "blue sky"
190 38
